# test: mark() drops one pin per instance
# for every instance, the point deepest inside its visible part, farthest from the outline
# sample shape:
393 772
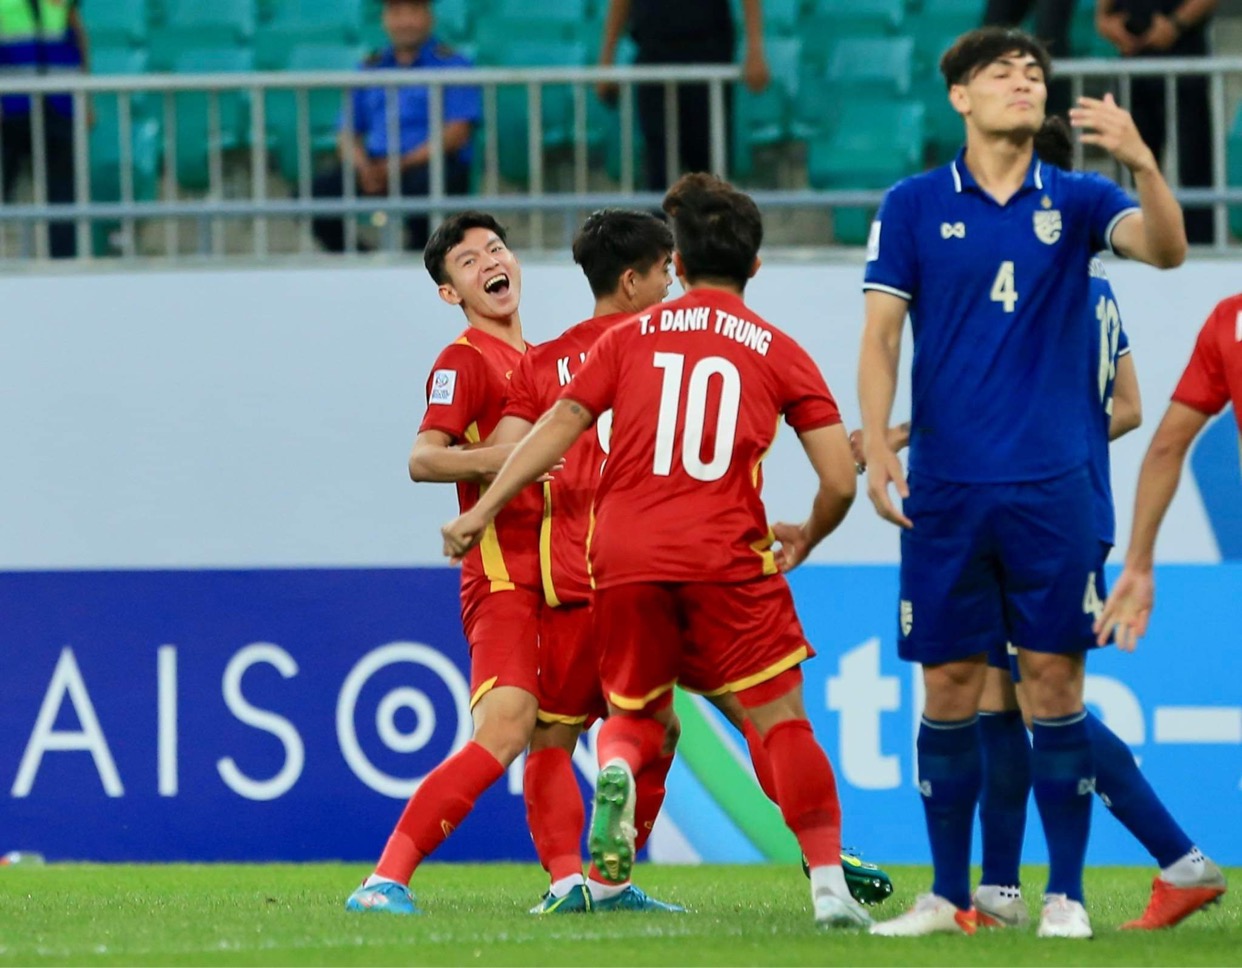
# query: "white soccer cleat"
832 911
997 907
1063 918
931 914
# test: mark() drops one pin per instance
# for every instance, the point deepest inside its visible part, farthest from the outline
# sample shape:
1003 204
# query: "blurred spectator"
682 32
409 25
40 38
1168 28
1052 26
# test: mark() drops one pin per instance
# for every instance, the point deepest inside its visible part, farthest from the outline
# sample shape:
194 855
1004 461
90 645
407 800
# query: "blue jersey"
996 296
1109 344
413 103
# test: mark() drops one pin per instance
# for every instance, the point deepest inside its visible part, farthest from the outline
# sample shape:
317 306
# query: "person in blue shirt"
409 25
986 255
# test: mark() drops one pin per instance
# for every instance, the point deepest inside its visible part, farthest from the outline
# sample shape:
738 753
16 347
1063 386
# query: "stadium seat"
556 108
293 23
780 17
871 65
1084 40
323 107
214 21
146 142
501 40
116 23
861 18
759 120
1233 154
564 11
453 20
942 124
193 112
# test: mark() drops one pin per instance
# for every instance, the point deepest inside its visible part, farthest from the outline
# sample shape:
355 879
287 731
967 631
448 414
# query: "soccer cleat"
931 914
1171 904
386 897
611 841
1063 918
634 899
576 901
867 883
994 910
839 912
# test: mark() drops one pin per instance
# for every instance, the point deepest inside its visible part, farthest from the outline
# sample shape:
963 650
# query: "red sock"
649 796
635 739
759 760
554 811
440 803
806 789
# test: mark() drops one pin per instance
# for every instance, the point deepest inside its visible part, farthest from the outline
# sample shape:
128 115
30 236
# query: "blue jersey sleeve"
1107 205
462 103
1123 342
892 262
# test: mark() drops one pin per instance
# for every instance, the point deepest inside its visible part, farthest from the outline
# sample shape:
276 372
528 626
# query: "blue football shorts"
989 564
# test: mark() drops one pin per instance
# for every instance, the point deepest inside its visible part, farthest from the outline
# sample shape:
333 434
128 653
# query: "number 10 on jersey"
695 406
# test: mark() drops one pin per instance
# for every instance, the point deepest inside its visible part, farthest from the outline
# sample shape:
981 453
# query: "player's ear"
679 267
754 268
449 294
959 99
628 282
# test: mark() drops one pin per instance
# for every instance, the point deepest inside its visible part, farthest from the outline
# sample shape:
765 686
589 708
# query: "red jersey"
697 388
465 394
567 499
1214 374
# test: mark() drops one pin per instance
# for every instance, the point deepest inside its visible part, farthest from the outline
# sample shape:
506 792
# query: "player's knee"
672 733
504 723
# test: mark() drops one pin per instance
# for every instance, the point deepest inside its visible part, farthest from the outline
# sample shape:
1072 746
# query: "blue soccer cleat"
611 840
635 899
576 901
386 897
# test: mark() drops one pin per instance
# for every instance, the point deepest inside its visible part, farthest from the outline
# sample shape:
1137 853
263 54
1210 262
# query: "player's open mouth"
497 285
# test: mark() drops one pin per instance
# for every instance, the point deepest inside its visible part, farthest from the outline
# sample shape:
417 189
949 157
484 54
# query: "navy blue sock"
1006 790
1126 792
950 773
1062 776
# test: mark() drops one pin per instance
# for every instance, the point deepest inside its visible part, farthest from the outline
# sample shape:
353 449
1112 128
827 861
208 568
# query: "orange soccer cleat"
1170 904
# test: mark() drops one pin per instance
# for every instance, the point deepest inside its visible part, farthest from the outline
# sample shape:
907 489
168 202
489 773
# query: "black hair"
613 240
978 48
1054 144
450 233
718 230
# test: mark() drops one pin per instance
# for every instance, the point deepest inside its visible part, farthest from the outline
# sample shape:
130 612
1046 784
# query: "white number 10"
673 364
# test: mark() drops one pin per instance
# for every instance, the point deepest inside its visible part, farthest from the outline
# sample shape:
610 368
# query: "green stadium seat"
759 120
116 23
323 107
872 65
219 19
564 11
784 59
860 18
1084 41
502 40
556 109
293 23
943 125
146 142
780 17
613 148
454 20
931 40
193 112
1233 169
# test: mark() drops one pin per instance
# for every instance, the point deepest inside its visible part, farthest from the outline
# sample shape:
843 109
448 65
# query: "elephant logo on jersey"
1048 226
907 617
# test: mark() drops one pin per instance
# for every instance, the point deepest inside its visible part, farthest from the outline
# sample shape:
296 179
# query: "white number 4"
1003 290
1091 604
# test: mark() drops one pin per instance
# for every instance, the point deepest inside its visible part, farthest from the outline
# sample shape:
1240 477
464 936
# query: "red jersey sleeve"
456 391
1203 385
595 385
808 404
522 398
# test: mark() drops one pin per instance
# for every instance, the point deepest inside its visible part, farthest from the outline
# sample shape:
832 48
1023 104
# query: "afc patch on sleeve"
873 242
443 385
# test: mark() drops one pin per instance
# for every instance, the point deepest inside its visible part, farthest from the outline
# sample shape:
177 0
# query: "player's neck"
715 286
507 329
999 165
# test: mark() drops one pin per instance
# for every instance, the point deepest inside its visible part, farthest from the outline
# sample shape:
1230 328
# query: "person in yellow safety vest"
41 38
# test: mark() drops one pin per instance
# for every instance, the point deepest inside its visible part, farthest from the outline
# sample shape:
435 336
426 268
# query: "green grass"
476 914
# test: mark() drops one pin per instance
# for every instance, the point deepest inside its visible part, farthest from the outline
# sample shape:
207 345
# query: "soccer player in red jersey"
1212 378
473 267
687 569
626 258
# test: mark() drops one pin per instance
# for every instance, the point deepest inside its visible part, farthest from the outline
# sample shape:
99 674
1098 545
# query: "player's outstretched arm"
537 453
828 450
877 386
510 430
1157 233
1127 400
1129 605
434 458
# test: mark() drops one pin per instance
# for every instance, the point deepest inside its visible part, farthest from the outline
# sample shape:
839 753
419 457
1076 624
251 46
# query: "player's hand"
373 177
883 469
1127 610
856 449
1107 124
1161 35
1112 27
461 534
608 92
755 71
794 546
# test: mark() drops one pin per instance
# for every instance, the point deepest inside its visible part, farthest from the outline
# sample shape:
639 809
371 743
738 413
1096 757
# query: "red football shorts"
502 629
712 637
569 689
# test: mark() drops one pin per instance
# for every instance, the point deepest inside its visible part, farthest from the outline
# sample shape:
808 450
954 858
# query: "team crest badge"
1048 226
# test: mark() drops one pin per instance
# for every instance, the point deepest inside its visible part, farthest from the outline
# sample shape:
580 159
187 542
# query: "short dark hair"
1053 143
450 233
612 240
718 230
978 48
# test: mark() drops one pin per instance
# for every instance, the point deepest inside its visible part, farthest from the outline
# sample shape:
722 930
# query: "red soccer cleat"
1170 905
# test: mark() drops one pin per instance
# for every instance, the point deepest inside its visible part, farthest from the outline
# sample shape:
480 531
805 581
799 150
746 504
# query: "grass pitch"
476 914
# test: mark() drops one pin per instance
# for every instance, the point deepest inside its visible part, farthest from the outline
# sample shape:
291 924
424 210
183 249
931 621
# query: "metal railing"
259 207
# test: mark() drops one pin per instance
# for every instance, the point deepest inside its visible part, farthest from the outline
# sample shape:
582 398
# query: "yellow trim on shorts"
763 548
482 691
624 702
701 692
545 548
771 672
494 567
546 717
